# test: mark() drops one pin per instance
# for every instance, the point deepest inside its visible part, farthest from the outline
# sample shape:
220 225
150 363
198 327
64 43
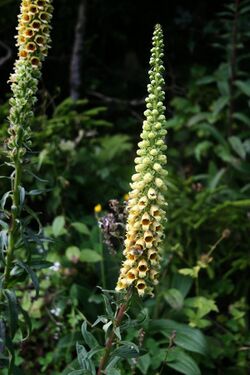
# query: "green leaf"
237 146
244 86
206 80
129 350
201 149
111 363
114 371
114 146
4 225
214 132
182 362
219 104
107 305
73 253
240 203
244 10
95 111
27 326
143 363
22 195
117 332
186 337
182 283
174 298
12 355
3 239
89 339
203 305
32 275
81 355
80 372
2 336
214 181
81 228
58 225
13 310
90 256
243 118
4 199
37 191
197 118
84 359
192 272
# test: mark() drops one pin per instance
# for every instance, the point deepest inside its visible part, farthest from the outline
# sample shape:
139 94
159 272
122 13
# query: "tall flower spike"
33 40
146 200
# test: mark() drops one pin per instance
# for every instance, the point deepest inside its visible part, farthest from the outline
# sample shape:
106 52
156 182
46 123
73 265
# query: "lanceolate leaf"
84 359
11 350
89 339
3 242
27 323
4 199
127 350
237 146
182 362
186 337
31 273
2 336
12 311
244 86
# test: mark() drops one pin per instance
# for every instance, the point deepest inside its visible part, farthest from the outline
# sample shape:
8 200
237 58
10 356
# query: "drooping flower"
146 204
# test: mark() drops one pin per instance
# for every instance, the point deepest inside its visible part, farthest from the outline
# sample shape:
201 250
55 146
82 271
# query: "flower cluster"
34 30
146 203
33 41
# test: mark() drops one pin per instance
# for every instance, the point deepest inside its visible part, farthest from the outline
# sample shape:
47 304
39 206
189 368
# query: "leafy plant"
21 246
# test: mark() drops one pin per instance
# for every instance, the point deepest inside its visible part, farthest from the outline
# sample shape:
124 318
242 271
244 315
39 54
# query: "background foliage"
85 151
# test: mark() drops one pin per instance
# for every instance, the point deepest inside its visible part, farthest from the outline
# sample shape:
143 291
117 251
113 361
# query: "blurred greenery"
83 155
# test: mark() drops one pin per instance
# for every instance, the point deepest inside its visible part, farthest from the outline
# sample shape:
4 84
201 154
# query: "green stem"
117 323
15 209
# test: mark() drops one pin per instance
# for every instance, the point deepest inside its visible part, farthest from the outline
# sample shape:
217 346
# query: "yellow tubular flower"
33 30
146 204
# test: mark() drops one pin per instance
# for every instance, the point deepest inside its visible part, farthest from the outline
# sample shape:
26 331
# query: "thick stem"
14 216
109 343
